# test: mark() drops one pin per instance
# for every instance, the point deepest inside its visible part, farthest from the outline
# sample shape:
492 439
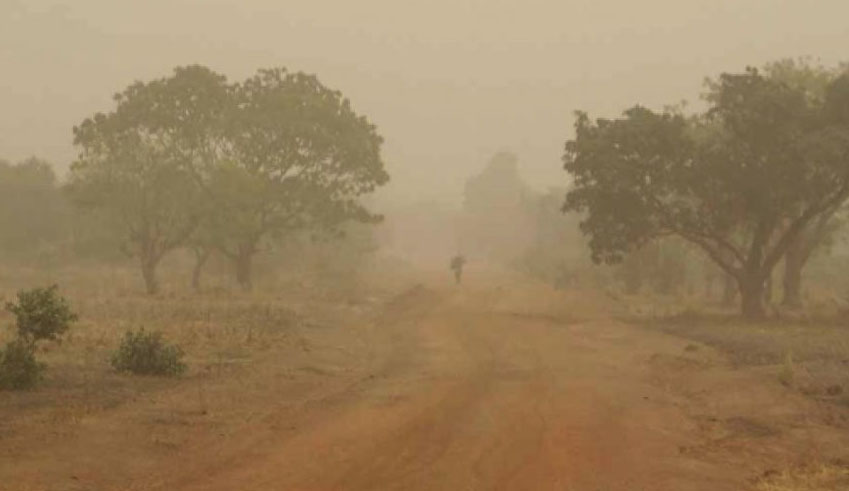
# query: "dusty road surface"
493 388
478 387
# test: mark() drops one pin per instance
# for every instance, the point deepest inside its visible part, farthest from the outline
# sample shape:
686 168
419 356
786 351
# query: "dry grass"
819 477
812 358
248 352
241 349
808 352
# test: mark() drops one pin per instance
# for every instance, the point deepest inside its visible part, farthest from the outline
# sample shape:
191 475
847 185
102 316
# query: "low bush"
145 353
18 367
41 314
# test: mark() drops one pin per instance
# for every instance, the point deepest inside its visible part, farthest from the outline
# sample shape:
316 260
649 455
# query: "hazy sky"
448 82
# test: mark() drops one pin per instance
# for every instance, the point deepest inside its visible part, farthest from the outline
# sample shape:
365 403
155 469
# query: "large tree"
135 162
815 81
297 157
741 181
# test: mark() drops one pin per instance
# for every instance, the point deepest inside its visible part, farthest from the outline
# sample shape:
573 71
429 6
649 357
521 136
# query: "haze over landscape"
447 82
320 245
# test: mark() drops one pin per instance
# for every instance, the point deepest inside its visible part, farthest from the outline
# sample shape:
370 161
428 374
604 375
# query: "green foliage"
192 159
135 162
40 314
803 74
837 100
145 353
299 159
740 181
18 367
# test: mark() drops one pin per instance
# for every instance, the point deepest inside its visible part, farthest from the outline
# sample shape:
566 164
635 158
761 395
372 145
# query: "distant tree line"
496 202
32 210
508 222
761 176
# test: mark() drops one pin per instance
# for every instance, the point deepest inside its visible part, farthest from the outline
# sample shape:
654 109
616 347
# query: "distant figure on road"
457 263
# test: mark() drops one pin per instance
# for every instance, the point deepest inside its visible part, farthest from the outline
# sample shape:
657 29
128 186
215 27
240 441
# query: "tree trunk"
201 256
752 296
148 265
710 276
798 253
709 287
244 262
768 290
729 292
794 261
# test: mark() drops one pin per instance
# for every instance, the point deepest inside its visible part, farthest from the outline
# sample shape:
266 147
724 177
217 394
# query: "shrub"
41 313
18 367
145 353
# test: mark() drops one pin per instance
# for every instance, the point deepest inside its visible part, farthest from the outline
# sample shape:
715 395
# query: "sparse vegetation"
146 353
18 367
33 236
741 181
805 356
191 160
40 314
655 298
830 476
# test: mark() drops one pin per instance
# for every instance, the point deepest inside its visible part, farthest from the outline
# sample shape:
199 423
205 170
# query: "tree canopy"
298 157
193 158
741 180
135 161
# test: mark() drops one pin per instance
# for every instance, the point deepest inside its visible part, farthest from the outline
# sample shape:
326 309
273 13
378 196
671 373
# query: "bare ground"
477 387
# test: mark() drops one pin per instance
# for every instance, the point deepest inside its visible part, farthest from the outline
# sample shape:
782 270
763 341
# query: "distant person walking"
457 263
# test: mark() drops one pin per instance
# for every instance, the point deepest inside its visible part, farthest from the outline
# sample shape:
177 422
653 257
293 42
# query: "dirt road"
466 392
479 387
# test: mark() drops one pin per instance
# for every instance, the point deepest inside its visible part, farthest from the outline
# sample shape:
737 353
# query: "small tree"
41 314
18 367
